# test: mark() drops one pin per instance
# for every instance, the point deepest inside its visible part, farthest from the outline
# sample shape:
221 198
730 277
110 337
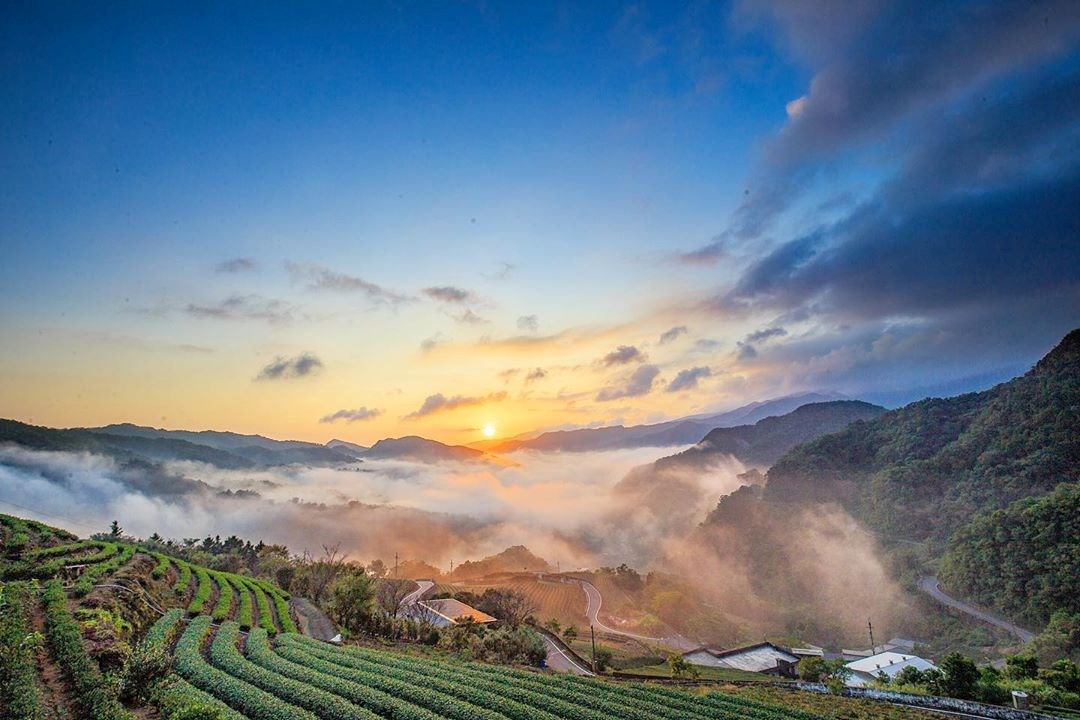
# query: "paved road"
415 595
313 621
930 586
557 659
594 600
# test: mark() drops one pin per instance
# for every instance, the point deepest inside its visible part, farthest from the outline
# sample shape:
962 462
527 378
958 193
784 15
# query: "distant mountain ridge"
684 431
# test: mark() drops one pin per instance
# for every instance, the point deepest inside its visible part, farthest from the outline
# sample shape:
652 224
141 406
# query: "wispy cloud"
283 368
351 416
535 374
705 255
765 334
319 278
688 379
468 317
236 265
639 383
673 334
243 307
439 403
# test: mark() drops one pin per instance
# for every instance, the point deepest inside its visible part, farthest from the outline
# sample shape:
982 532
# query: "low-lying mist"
580 510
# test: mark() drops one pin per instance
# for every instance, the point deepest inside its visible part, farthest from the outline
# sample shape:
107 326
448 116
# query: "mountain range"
683 431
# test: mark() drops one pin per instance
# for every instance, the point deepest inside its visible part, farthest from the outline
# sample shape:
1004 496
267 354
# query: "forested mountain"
922 471
989 477
767 440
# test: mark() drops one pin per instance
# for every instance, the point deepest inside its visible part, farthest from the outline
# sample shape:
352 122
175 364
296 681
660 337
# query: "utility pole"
451 567
873 647
592 632
395 566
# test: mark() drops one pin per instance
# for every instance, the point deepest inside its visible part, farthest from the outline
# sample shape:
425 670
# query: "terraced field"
297 677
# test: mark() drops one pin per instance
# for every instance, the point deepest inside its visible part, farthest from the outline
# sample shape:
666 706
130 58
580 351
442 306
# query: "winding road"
931 587
414 597
595 600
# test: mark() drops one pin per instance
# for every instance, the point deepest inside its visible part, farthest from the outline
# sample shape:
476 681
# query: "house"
865 670
761 658
448 611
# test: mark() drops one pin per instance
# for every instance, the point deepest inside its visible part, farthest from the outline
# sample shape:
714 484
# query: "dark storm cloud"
283 368
450 294
362 413
876 65
639 383
622 355
236 265
673 334
688 379
438 403
243 307
1006 244
319 278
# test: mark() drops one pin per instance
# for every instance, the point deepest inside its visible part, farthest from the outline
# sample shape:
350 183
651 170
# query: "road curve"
930 586
557 659
592 611
415 595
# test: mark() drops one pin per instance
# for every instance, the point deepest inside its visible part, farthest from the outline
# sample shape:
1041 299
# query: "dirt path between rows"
313 621
55 698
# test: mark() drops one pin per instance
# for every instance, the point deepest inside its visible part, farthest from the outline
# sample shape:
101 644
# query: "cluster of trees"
510 606
958 676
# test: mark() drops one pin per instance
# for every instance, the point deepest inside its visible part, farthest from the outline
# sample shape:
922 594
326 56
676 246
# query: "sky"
361 220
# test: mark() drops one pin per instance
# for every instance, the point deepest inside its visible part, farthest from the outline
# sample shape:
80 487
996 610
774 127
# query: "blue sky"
558 164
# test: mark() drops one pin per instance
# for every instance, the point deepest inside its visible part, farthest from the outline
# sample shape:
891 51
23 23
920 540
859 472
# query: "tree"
510 606
322 572
960 676
812 669
1021 667
553 626
391 595
602 659
570 633
115 531
679 666
377 568
352 601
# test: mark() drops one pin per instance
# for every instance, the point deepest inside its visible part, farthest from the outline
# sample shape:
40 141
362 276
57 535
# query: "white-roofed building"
865 670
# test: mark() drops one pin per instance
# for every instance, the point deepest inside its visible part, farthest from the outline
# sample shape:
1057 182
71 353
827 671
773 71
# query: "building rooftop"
455 611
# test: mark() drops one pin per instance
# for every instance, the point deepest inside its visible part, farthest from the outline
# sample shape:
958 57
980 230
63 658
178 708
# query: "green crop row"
184 580
266 616
245 698
65 549
89 690
511 700
226 656
202 592
395 703
30 567
223 607
281 605
19 533
177 699
19 695
245 608
95 572
446 700
162 567
161 632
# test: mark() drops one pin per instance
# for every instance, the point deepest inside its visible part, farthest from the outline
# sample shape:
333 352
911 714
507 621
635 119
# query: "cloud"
450 294
283 368
707 254
639 383
622 355
534 375
468 317
439 403
746 351
319 278
528 323
361 413
243 307
688 379
505 270
430 343
878 65
765 334
236 265
673 334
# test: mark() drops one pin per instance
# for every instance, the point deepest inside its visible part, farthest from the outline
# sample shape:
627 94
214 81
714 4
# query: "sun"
489 430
